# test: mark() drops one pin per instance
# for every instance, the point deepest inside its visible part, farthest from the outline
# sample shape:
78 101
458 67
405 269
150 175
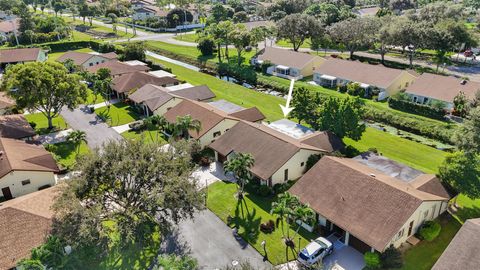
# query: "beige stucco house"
85 60
24 168
288 64
387 81
279 157
369 201
20 56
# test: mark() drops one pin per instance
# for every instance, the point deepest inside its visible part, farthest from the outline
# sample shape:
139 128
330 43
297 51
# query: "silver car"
315 251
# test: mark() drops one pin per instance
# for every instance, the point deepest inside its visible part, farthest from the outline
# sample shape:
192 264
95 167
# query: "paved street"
212 243
97 131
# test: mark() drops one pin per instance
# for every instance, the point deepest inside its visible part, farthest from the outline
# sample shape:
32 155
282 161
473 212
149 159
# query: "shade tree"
296 28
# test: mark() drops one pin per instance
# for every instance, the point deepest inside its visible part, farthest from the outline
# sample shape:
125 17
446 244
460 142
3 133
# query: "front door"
7 194
410 228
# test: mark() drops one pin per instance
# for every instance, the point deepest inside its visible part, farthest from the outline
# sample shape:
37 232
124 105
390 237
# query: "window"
285 175
90 64
425 214
406 84
302 164
400 233
25 182
425 100
216 134
415 99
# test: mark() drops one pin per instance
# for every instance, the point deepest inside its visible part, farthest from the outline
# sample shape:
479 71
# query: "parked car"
315 251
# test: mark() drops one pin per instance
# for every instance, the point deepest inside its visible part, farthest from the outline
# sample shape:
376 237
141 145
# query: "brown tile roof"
251 114
370 205
198 93
19 55
208 116
270 148
375 75
110 55
286 57
7 26
130 81
463 252
17 155
153 96
15 127
443 88
325 140
24 223
431 184
5 101
80 57
118 68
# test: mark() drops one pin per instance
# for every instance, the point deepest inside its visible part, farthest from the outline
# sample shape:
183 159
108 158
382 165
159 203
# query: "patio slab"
211 174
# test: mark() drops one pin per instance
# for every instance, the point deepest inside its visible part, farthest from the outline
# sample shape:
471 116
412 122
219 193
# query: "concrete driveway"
212 243
211 174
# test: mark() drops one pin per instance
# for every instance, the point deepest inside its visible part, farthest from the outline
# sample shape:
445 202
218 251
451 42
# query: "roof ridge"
4 154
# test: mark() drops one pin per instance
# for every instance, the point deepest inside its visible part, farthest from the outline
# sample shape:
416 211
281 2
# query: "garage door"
358 244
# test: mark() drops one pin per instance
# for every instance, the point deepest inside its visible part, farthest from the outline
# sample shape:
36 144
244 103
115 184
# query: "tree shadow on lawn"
247 222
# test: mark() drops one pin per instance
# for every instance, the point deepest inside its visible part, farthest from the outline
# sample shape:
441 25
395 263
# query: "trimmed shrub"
206 46
412 107
430 230
282 187
264 191
391 258
372 260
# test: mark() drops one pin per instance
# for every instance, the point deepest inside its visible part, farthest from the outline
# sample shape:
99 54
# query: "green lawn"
416 155
187 37
66 152
248 216
286 43
91 98
42 123
149 135
118 114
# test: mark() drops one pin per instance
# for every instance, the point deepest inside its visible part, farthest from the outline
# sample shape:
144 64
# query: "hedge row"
420 109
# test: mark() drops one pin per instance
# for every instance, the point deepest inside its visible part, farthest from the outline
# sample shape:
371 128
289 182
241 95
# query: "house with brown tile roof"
25 222
118 68
23 55
8 27
153 99
16 126
148 11
288 64
463 252
132 81
214 122
85 60
24 168
431 87
368 207
388 81
278 157
6 103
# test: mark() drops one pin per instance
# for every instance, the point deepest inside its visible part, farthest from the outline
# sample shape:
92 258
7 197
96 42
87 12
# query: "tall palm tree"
184 124
284 208
304 214
240 166
156 122
77 137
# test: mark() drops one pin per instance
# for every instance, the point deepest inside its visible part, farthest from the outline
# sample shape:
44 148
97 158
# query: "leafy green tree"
283 208
305 103
296 28
329 13
467 137
173 262
303 213
101 82
240 165
288 7
240 38
183 125
206 45
156 122
46 87
220 13
58 6
240 17
460 104
113 18
134 51
77 137
341 116
461 171
50 255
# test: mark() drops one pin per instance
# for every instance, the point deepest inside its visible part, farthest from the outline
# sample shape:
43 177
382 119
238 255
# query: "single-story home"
430 87
25 222
334 72
288 64
86 60
16 126
118 68
8 27
158 100
24 55
214 122
148 11
24 168
6 103
136 4
122 85
252 114
463 252
162 73
370 201
280 151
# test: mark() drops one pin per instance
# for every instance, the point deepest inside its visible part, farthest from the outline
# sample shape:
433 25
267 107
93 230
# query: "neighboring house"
6 103
118 68
214 122
162 73
136 4
86 60
251 25
16 56
132 81
8 27
280 151
370 11
430 87
370 201
148 11
16 127
25 223
463 252
388 81
157 100
24 168
288 64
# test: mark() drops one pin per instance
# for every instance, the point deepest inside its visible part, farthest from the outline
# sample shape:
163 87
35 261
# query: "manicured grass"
66 152
416 155
187 37
150 135
91 98
248 215
54 56
42 123
117 114
234 93
288 44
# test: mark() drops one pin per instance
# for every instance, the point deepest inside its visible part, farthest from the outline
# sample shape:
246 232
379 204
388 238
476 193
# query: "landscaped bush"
407 106
372 260
391 258
282 187
204 161
430 230
242 73
268 226
264 191
263 81
206 46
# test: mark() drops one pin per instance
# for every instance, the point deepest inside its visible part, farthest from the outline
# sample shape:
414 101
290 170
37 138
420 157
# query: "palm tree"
284 208
157 122
240 166
184 124
304 214
77 137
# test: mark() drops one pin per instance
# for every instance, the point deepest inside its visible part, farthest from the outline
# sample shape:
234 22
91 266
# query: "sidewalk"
170 60
55 137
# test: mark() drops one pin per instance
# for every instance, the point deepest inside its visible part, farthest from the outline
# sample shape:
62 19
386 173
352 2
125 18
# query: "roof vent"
463 82
372 175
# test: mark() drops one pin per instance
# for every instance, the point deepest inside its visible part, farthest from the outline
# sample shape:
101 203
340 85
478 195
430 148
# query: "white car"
315 251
